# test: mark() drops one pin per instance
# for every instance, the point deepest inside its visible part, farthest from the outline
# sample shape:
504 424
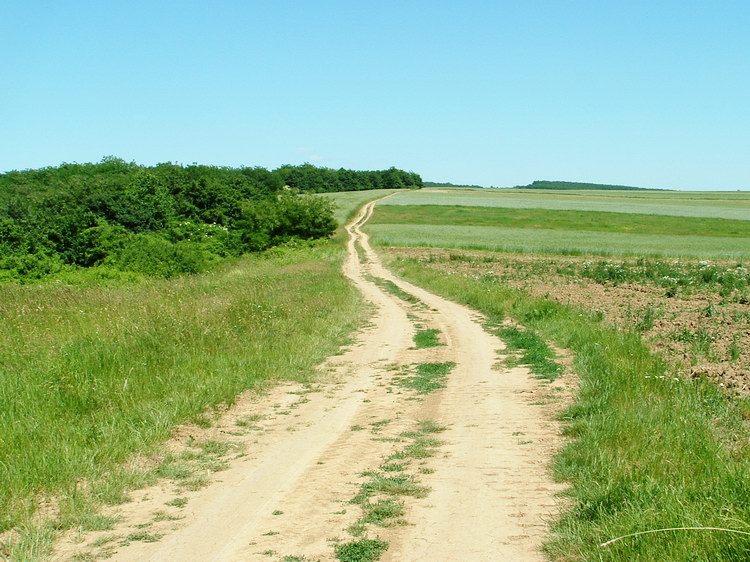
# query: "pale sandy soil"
287 489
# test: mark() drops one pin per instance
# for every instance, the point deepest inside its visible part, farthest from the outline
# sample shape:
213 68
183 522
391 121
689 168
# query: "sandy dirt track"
490 496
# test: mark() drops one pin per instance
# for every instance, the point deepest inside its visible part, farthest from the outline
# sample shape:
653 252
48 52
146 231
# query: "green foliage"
312 179
114 213
428 377
154 256
363 550
536 353
395 290
427 338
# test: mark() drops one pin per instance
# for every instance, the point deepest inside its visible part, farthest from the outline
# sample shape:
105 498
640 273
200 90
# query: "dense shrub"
163 220
155 256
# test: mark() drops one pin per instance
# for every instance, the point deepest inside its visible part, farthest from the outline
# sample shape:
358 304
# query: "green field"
505 222
727 205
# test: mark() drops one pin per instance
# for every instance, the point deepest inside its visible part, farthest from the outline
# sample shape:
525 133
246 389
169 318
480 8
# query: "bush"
157 257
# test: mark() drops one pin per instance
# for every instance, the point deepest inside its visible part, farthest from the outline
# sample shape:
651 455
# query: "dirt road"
309 450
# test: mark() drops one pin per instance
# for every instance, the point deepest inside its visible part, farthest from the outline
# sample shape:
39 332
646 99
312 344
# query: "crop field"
456 221
726 205
655 310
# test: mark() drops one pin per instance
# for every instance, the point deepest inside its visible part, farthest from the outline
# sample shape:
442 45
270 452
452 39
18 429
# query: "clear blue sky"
653 93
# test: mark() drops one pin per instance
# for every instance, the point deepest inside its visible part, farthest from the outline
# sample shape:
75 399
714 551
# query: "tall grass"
91 375
646 451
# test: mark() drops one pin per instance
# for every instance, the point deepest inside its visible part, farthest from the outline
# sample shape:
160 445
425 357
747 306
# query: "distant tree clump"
318 180
164 220
569 185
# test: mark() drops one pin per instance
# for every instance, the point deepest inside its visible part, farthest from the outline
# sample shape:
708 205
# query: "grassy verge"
534 352
647 451
91 375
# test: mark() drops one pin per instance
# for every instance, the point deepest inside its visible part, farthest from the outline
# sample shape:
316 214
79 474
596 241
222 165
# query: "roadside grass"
427 377
90 376
427 338
646 451
589 221
536 354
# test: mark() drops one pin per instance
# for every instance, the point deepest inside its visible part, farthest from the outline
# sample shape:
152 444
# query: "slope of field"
728 205
347 202
590 221
556 241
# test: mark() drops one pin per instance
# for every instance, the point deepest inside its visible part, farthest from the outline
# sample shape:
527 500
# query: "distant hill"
452 185
567 185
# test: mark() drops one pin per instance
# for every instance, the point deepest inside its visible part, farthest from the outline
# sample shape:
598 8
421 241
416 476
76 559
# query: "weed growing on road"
363 550
297 559
144 536
428 377
427 338
391 481
395 290
361 252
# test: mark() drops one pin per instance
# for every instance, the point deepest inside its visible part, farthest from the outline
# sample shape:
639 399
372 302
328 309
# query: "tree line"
167 219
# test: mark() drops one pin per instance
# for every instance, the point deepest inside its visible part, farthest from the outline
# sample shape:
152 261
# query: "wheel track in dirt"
491 493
